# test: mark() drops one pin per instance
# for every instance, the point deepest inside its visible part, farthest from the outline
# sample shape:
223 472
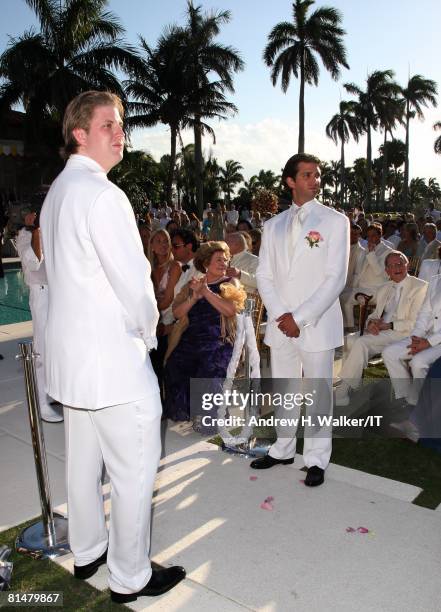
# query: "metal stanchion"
48 537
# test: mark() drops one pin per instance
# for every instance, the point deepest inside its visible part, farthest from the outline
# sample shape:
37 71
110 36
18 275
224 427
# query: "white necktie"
392 304
295 230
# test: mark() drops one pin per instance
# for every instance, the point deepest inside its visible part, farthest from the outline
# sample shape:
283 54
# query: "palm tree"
158 92
389 115
418 93
267 179
342 126
292 49
437 144
204 56
380 89
230 176
75 50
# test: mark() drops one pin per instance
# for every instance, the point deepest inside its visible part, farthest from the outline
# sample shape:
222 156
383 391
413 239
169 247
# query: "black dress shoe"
83 572
162 580
315 476
263 463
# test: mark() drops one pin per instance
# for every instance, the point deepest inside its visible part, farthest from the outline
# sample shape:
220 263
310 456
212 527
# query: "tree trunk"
384 173
405 193
171 170
369 170
342 174
199 167
301 148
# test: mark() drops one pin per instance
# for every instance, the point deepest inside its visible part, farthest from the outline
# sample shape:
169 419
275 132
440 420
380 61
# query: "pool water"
14 298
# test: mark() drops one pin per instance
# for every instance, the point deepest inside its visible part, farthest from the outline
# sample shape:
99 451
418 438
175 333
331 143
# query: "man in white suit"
101 323
28 245
302 270
418 351
372 274
398 303
243 264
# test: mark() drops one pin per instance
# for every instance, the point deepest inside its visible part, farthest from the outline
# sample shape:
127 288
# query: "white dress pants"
38 303
126 439
398 361
360 350
288 362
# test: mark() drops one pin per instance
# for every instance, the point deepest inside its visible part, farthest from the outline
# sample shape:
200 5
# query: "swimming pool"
14 298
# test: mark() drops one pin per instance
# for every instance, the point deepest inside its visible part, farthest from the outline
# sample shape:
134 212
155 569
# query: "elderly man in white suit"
398 303
101 323
302 270
418 351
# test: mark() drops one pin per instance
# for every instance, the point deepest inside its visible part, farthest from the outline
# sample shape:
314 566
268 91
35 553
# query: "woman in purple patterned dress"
205 347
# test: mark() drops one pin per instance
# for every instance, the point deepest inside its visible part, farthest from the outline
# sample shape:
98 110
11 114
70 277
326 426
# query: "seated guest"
398 303
165 275
244 225
430 267
418 351
428 235
207 223
184 245
356 256
256 240
232 216
248 240
243 264
206 309
409 242
372 274
390 233
172 226
431 250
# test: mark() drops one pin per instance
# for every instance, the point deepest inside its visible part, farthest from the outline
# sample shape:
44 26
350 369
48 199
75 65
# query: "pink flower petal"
266 506
253 477
362 530
302 480
270 498
350 530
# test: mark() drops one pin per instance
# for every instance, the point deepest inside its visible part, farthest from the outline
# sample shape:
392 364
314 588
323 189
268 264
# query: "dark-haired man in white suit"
302 270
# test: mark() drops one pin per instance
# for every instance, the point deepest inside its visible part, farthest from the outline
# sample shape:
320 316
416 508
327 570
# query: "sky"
402 35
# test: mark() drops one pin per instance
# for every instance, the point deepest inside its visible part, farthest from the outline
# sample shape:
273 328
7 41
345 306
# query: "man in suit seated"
398 303
419 350
430 267
372 273
243 264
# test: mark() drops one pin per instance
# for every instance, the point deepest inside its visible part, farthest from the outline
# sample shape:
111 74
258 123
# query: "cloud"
268 143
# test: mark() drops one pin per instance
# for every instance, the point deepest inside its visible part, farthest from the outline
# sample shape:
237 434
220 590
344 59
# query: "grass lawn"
44 575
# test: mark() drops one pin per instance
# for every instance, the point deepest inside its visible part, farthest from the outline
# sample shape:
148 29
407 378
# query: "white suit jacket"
428 323
373 272
247 263
102 310
429 268
411 299
307 285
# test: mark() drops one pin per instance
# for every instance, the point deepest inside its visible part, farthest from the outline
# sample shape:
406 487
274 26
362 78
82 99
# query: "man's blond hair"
79 113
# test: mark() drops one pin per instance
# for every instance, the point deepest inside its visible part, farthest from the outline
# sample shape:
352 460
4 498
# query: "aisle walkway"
207 517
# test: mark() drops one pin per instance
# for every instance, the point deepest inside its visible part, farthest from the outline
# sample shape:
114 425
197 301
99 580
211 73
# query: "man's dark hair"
355 226
187 237
292 165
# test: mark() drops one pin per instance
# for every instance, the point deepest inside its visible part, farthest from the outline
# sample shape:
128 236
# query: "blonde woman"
165 275
209 304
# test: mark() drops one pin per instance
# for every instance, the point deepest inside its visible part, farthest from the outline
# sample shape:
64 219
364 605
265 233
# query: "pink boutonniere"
314 238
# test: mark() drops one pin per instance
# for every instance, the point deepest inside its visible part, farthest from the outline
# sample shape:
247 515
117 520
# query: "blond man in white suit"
418 351
398 303
101 324
302 270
